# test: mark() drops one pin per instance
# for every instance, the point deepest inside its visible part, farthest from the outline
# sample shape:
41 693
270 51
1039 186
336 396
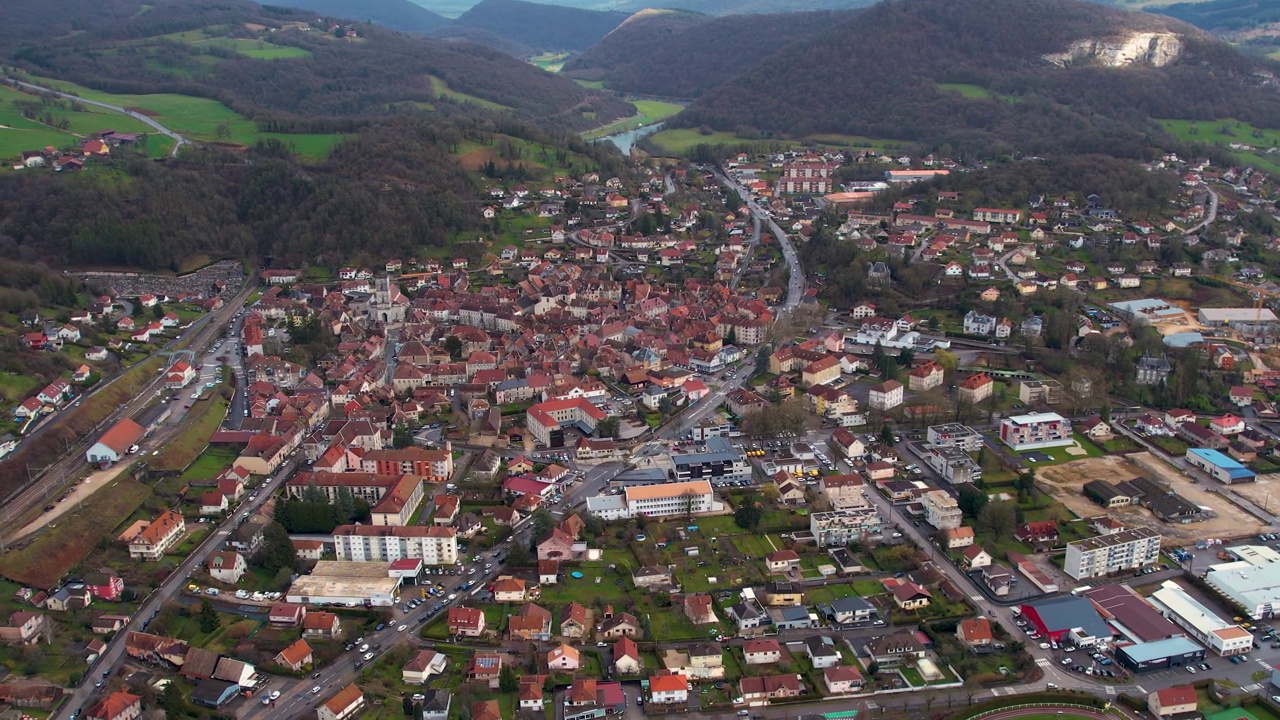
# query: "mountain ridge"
543 27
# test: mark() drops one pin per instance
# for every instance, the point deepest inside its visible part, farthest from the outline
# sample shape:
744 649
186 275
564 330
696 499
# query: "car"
896 535
359 664
358 641
275 694
402 628
380 628
315 690
1191 670
367 656
1044 646
1066 661
602 644
315 676
1204 667
878 623
364 648
266 701
100 683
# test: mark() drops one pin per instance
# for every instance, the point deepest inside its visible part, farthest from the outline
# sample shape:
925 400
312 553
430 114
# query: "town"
633 458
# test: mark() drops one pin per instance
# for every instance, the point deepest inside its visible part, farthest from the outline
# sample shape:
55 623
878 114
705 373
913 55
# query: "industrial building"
1201 623
346 583
1130 615
1106 554
1063 618
1160 654
1250 321
1256 588
1219 466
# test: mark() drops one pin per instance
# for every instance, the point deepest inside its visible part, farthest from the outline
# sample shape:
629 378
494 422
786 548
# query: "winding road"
178 140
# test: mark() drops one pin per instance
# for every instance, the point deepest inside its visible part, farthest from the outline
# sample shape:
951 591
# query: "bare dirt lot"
1265 492
1065 482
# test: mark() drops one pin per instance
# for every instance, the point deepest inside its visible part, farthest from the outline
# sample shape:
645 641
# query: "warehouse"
1252 587
346 583
1160 655
1219 466
1200 622
1130 615
1246 320
1063 618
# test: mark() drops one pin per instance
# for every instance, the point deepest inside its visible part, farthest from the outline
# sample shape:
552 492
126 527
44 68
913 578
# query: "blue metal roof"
1160 649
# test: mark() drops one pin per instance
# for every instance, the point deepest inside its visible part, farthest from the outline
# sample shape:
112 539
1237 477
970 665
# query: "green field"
593 84
647 113
200 118
258 49
680 141
551 62
18 133
1225 132
973 92
441 89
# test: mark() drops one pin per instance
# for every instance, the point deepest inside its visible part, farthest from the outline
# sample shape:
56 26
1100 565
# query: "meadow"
647 113
441 89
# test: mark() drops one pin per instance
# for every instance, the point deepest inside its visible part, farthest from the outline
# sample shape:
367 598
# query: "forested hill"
1223 14
680 54
376 73
879 74
396 14
539 26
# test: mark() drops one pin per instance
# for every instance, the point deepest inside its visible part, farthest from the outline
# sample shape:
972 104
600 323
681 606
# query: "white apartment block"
1035 431
941 510
1106 554
434 545
840 527
956 436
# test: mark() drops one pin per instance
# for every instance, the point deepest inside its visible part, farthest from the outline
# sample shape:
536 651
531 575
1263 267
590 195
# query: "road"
178 140
114 654
200 334
1209 216
796 284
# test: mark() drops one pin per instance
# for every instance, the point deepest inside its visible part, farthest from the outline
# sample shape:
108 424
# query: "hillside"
312 79
541 27
1250 25
1051 76
682 54
450 8
396 14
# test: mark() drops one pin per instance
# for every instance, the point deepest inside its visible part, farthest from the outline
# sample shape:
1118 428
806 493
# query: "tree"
402 436
873 668
747 516
277 552
406 704
947 360
608 427
770 492
453 346
880 359
886 434
157 311
507 680
174 704
998 518
519 555
542 523
208 618
1026 483
971 501
899 558
346 502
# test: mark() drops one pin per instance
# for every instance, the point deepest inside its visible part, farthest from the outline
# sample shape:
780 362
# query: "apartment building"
158 536
720 461
434 545
840 527
1106 554
954 435
941 510
1035 431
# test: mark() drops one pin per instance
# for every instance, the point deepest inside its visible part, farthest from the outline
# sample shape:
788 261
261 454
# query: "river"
624 141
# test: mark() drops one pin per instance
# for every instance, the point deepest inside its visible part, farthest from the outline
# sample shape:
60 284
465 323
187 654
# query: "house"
115 443
668 689
116 706
422 666
821 651
179 376
698 609
848 610
1037 533
509 590
227 566
760 690
563 658
886 396
960 537
1173 701
573 622
910 596
1227 425
212 503
484 667
435 704
976 388
348 703
24 628
781 561
762 652
555 545
626 657
530 622
325 625
975 557
466 621
620 625
486 710
842 679
286 614
925 377
531 693
157 537
975 632
296 656
548 572
1095 427
898 648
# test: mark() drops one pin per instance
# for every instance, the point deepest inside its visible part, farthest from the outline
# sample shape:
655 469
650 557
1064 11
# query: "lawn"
550 61
1227 131
973 92
1061 454
441 89
592 84
61 546
647 113
200 423
200 118
210 463
257 49
681 141
21 133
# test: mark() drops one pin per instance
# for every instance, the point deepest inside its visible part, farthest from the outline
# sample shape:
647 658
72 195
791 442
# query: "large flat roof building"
1237 317
1256 588
1130 613
346 583
1106 554
721 460
1200 622
1036 430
